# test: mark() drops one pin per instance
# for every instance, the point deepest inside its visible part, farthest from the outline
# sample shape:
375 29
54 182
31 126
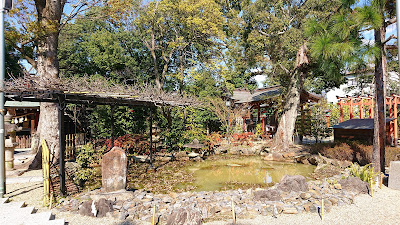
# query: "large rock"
269 195
274 157
114 170
184 216
394 175
293 183
87 209
103 206
96 208
355 184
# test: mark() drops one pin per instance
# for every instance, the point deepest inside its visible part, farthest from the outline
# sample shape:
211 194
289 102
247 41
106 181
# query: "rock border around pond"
292 195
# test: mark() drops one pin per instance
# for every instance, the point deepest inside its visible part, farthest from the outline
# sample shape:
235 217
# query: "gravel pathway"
383 208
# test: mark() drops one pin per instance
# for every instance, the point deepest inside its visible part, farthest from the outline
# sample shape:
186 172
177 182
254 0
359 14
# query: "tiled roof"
358 124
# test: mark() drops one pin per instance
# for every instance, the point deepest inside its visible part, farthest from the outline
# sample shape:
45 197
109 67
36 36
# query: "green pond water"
223 173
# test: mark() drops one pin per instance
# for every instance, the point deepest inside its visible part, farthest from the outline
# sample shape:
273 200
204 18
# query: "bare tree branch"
390 38
391 21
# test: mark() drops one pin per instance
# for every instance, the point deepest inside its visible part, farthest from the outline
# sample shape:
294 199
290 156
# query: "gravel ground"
383 208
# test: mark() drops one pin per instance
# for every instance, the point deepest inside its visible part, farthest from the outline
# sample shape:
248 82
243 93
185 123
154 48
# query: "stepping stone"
3 200
40 217
55 222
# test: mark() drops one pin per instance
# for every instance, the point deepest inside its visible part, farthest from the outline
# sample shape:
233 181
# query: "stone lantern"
10 143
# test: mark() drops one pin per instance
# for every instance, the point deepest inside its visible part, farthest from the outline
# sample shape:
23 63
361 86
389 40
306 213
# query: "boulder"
87 209
268 157
103 206
184 216
193 155
269 195
277 156
274 157
98 208
293 183
354 184
181 154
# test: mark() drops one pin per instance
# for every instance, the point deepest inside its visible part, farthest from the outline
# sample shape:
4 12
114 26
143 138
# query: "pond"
249 171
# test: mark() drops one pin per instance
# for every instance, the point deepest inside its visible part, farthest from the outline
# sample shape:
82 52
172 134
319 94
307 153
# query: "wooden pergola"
63 97
359 102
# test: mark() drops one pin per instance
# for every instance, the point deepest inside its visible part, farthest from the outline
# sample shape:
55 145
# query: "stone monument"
114 170
394 175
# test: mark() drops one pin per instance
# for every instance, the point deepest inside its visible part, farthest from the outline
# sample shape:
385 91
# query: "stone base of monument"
394 175
113 196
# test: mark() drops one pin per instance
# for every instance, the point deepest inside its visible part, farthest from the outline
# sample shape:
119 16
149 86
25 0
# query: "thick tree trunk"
283 137
378 155
49 16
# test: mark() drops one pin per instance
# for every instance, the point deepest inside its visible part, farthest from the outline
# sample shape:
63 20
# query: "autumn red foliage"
243 138
131 143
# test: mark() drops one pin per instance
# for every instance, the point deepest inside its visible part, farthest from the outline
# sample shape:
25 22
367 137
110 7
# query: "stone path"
24 190
18 213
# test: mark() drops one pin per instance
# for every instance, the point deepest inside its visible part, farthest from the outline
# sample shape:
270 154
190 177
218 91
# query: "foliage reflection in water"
243 172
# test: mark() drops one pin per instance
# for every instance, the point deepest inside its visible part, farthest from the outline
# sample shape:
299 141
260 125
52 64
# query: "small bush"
353 151
365 173
88 159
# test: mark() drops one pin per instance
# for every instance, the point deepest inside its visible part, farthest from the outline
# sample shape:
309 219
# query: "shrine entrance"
364 107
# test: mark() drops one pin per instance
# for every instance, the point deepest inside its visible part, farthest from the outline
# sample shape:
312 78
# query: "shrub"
365 173
353 151
212 140
88 159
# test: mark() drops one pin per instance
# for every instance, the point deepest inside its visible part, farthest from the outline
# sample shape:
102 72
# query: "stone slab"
394 175
114 170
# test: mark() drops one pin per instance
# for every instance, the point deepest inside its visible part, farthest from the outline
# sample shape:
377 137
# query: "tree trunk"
49 14
378 154
283 137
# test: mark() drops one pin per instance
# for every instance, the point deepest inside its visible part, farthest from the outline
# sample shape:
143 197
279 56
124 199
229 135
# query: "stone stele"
114 170
394 175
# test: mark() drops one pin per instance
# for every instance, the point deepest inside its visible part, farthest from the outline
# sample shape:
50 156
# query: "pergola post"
303 118
2 112
61 139
396 125
112 126
151 137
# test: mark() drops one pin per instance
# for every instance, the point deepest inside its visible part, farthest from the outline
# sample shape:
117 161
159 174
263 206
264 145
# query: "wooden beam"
61 139
395 122
112 126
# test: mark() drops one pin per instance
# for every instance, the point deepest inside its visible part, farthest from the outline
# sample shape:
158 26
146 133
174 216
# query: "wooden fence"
24 141
73 141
